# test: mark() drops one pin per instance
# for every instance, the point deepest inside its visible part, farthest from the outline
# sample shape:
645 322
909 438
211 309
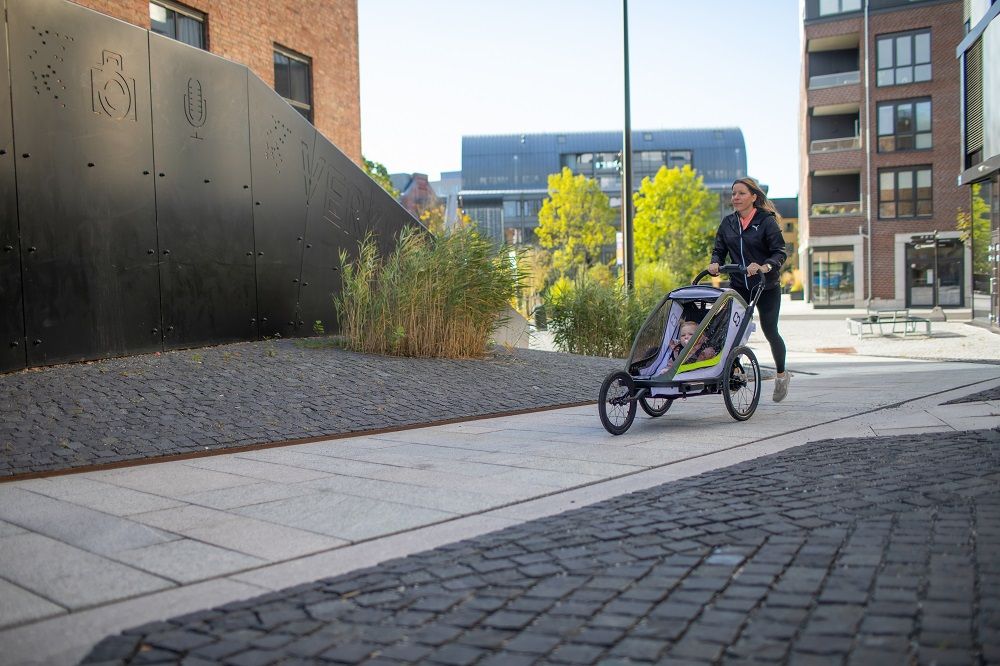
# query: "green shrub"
594 318
438 297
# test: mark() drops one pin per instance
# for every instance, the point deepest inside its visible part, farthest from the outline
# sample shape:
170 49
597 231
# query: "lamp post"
628 252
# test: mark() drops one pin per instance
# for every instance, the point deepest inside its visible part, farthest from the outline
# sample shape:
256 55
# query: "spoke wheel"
741 384
655 406
615 402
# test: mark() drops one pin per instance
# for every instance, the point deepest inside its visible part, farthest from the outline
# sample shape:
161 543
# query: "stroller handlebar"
725 268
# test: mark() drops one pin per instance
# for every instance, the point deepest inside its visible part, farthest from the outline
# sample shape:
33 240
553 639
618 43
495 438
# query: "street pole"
937 313
628 252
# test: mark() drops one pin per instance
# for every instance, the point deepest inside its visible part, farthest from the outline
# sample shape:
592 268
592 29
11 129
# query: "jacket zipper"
739 225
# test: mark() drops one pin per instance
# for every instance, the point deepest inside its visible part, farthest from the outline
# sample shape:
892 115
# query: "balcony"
835 145
836 193
835 79
836 209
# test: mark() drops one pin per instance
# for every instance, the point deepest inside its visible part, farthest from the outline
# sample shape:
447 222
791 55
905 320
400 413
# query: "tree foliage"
575 222
675 221
433 219
975 229
378 173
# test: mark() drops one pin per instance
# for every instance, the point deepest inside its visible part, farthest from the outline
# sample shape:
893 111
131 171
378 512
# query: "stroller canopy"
717 314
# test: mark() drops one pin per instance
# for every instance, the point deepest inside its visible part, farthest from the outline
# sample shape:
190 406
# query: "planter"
797 295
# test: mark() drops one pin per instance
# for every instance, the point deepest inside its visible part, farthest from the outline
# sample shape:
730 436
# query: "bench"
887 322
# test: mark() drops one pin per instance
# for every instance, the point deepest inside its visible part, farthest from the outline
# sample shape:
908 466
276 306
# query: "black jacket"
761 243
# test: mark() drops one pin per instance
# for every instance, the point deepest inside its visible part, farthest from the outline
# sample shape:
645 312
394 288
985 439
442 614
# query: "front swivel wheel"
616 402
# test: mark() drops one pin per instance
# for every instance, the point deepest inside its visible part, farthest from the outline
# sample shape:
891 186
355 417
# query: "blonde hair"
762 201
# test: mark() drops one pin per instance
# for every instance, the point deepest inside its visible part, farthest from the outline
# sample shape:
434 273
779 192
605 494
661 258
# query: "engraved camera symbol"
112 93
195 106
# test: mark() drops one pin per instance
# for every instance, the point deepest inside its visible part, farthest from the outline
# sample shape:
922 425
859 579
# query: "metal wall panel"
80 87
285 174
204 219
345 207
12 354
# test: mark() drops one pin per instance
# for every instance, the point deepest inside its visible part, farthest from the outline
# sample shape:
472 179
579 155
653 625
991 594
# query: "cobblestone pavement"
982 396
233 395
872 551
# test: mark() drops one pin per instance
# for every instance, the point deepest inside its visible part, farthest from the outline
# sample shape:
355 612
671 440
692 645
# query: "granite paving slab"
864 550
190 401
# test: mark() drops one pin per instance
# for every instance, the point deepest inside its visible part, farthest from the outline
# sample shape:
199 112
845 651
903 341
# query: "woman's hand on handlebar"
713 269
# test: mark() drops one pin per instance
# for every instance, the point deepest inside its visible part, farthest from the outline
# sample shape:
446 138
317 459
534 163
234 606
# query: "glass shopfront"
832 277
983 207
920 279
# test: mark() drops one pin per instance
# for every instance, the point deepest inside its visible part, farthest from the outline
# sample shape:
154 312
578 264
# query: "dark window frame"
893 67
913 201
304 107
912 134
175 9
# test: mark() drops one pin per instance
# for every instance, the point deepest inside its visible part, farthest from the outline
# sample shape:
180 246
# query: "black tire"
615 402
741 383
655 406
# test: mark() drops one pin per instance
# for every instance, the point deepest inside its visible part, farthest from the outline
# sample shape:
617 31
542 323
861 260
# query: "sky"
435 70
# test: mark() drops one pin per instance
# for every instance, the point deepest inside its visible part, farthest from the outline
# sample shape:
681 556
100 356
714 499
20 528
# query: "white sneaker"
781 387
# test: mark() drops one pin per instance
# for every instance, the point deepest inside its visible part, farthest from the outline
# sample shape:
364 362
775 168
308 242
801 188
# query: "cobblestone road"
982 396
872 551
181 402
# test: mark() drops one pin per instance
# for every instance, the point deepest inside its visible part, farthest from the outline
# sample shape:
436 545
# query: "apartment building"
307 50
880 120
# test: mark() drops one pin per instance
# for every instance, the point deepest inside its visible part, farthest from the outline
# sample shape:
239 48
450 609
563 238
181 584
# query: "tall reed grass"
432 297
594 318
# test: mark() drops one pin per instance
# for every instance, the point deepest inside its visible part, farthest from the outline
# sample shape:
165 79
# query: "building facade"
788 209
415 192
878 202
505 177
979 63
307 50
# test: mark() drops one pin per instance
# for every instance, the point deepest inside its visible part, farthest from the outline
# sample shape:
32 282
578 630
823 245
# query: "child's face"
686 332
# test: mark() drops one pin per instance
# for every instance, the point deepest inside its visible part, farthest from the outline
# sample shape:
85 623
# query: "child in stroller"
686 330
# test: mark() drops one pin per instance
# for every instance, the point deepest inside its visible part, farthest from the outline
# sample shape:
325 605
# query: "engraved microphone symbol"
195 106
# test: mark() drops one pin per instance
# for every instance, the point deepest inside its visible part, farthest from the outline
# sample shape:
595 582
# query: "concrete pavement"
86 555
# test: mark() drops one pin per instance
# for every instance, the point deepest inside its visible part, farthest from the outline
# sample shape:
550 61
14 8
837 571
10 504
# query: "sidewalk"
87 555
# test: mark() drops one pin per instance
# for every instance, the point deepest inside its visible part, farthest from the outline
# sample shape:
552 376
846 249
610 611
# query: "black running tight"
767 314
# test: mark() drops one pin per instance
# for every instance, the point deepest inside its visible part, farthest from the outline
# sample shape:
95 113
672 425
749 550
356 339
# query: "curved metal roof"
522 161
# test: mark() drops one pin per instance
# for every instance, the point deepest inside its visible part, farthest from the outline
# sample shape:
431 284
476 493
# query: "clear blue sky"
435 70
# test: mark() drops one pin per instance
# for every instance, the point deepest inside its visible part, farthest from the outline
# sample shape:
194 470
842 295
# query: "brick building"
878 154
306 49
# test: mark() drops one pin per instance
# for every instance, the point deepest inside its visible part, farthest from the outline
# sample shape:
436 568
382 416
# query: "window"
293 80
828 7
904 58
904 126
678 158
905 193
177 22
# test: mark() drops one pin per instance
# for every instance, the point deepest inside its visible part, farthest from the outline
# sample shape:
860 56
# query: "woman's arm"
719 250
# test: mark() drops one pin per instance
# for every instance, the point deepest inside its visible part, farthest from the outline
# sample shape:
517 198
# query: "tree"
378 173
433 219
575 222
675 221
975 230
